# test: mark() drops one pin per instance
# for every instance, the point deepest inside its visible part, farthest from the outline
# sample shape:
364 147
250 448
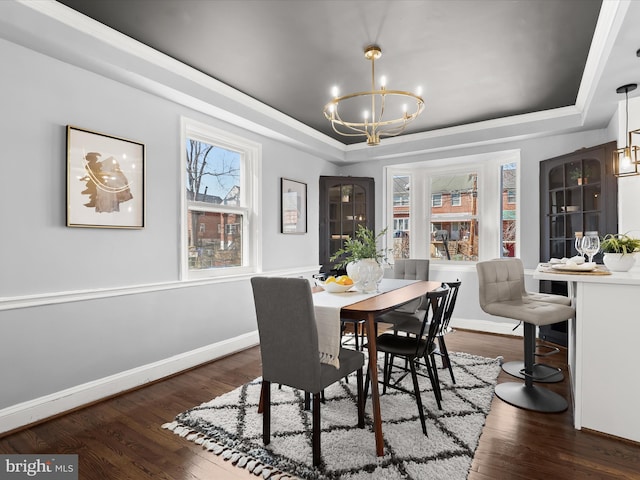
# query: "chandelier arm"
348 125
419 108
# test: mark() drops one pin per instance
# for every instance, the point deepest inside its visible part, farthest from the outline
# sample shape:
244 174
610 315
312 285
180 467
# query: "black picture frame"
293 207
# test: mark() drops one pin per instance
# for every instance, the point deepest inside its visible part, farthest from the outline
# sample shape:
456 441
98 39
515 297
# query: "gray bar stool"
501 290
541 372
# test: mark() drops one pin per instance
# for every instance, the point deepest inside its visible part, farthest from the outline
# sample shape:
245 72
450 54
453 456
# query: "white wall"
78 306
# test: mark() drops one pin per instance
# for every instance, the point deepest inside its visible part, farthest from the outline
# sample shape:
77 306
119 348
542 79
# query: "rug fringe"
236 458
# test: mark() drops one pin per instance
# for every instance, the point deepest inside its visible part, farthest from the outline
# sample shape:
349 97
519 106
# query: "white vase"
366 274
618 262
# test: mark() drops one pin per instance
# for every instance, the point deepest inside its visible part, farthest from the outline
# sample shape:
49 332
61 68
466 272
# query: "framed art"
294 206
105 180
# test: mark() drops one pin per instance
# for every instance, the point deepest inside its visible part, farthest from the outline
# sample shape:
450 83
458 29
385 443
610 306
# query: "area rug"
231 427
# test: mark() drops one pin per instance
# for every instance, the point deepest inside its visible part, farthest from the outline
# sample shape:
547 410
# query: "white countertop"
632 277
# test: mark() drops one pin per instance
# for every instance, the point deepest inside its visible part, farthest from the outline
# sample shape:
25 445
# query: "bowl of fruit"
337 284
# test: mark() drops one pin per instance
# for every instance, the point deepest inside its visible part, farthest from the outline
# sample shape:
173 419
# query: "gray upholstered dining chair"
408 269
415 310
290 353
501 294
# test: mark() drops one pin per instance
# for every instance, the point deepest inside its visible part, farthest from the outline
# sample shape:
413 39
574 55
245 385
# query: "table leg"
373 372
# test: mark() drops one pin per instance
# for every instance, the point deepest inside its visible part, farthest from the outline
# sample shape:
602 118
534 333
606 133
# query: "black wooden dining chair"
411 326
414 348
289 350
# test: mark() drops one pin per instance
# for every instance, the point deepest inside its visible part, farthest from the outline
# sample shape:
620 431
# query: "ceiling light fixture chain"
374 125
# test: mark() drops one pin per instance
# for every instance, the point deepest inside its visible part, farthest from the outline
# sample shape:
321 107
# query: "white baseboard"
486 326
47 406
32 411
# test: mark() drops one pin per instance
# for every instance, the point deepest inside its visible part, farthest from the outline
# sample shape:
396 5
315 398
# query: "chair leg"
266 414
356 332
527 395
261 402
529 353
430 363
436 375
385 373
366 389
360 399
446 361
392 359
416 389
316 430
307 400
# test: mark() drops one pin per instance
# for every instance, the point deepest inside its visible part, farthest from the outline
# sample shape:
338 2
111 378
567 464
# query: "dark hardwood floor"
121 438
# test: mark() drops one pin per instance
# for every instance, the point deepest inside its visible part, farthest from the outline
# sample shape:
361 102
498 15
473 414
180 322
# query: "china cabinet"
578 193
345 203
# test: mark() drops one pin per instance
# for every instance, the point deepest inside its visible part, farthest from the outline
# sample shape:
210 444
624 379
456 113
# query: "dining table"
391 294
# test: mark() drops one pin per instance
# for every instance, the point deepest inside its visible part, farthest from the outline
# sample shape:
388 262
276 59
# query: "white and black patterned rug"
230 426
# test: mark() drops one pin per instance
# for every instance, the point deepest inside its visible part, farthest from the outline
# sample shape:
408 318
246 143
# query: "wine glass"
578 244
590 244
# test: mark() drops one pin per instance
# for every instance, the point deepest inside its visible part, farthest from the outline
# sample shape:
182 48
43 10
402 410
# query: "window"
220 197
509 206
454 231
401 215
400 225
462 209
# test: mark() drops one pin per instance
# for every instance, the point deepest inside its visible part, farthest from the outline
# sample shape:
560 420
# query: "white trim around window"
249 209
488 167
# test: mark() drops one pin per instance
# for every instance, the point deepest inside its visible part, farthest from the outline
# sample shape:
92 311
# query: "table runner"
327 310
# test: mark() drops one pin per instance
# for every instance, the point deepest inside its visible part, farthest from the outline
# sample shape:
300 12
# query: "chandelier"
626 159
385 113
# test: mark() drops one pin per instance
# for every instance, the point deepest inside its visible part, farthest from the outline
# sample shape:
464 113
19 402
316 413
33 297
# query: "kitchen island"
604 350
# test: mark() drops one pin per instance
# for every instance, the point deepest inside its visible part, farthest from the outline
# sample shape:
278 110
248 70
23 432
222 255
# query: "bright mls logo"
50 467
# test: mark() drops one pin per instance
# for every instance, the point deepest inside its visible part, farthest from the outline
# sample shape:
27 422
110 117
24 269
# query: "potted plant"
580 175
619 250
362 257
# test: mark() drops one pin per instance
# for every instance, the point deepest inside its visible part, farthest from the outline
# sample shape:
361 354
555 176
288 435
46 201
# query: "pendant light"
626 160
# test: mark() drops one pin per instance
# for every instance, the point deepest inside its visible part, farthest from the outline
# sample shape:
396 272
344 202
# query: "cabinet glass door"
345 204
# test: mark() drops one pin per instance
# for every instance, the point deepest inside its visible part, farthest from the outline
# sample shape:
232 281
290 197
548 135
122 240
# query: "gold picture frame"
105 180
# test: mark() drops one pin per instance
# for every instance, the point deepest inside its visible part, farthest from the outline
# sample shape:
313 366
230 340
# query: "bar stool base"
540 371
531 397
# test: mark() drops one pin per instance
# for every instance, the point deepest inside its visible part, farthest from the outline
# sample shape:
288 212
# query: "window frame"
249 208
488 166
